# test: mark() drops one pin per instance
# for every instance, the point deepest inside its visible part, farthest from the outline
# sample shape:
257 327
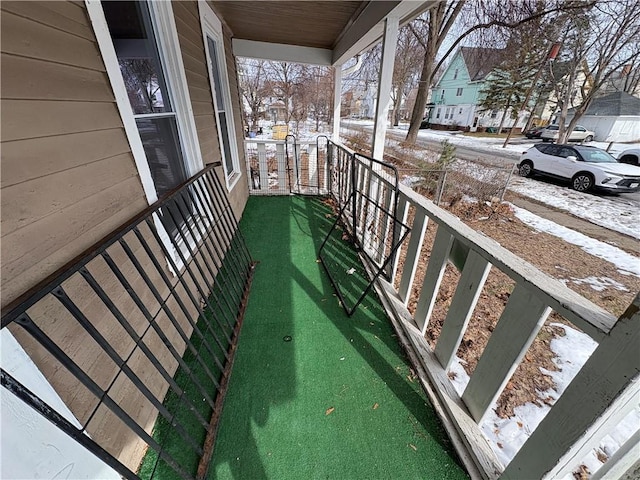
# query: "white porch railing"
603 392
279 167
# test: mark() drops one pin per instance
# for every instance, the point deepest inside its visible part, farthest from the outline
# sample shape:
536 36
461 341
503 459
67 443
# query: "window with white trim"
139 44
455 74
459 92
218 79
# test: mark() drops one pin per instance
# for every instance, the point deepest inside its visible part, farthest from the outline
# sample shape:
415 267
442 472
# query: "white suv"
586 167
578 134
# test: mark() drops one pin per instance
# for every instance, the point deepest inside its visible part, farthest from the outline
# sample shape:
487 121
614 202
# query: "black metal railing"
366 194
137 335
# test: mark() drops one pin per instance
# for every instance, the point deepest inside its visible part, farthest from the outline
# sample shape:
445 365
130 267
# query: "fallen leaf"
351 271
409 378
415 449
499 445
375 405
329 411
520 424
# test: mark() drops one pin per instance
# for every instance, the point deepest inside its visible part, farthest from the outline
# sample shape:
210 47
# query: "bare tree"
405 70
252 86
484 15
284 76
606 39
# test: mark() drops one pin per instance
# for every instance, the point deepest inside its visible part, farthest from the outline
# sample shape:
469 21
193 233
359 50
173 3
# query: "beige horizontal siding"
194 58
69 179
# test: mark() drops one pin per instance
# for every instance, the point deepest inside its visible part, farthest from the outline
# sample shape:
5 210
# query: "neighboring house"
614 118
362 102
627 79
456 96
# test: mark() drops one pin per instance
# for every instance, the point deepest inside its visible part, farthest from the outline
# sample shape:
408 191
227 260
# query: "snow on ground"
616 214
626 263
507 435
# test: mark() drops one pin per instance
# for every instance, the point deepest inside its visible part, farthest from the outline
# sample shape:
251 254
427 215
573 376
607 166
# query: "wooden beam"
385 84
337 101
281 52
368 27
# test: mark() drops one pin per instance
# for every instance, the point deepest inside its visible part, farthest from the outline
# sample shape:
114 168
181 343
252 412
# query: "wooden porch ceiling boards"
307 24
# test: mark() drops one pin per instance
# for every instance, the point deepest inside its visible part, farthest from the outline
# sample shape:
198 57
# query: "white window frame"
166 35
459 92
212 27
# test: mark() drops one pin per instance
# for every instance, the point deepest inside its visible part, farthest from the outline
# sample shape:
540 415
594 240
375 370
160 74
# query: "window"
459 92
213 39
455 74
145 68
494 113
438 113
442 96
460 111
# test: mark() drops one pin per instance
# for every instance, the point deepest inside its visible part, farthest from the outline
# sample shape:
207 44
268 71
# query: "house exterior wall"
69 179
456 99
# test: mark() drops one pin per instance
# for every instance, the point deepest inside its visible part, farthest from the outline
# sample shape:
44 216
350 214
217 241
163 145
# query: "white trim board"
212 27
281 52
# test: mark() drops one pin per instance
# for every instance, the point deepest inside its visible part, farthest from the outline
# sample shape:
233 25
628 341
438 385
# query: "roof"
613 105
480 61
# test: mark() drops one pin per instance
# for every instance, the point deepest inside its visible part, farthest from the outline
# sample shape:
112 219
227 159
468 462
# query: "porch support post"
337 101
389 42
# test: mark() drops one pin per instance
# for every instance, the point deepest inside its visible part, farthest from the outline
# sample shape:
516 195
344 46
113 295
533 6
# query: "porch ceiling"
324 32
308 24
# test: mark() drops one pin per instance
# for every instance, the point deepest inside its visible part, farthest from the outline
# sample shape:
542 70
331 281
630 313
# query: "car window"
553 150
552 127
595 155
580 129
542 148
565 152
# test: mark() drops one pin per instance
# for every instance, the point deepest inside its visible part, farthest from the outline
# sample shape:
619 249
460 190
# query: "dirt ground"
550 254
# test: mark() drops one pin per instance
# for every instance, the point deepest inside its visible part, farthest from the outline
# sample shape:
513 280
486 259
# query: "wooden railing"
280 167
603 392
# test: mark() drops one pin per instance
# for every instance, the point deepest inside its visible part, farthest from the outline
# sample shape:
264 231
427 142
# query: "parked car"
534 132
585 167
579 134
630 156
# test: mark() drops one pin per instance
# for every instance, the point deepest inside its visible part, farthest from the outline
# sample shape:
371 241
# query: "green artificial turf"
314 393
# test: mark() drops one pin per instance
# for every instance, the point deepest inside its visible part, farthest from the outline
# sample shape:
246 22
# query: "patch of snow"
626 263
613 213
599 283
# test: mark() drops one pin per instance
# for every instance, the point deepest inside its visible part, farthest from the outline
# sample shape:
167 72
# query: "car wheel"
526 168
630 159
589 138
545 140
582 182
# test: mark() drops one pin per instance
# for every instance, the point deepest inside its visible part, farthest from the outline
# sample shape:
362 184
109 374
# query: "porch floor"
336 401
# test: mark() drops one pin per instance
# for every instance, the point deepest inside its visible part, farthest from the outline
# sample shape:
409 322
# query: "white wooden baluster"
401 213
474 274
312 155
606 375
262 167
282 167
413 254
518 326
431 283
